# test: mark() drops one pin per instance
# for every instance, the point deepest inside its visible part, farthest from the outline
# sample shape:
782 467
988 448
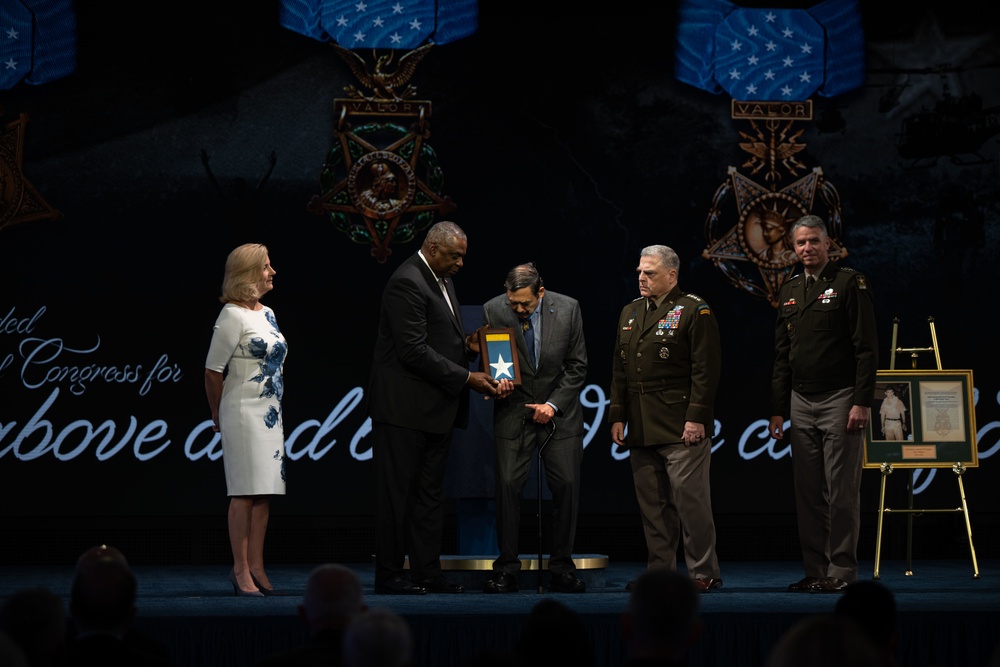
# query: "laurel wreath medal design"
749 223
19 200
382 181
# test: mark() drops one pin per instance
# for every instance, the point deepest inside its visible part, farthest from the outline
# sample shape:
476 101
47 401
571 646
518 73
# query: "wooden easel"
886 470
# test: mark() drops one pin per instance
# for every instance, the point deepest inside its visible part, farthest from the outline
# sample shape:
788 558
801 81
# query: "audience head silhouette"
662 621
99 552
332 598
873 607
824 640
11 654
555 634
378 638
35 620
103 596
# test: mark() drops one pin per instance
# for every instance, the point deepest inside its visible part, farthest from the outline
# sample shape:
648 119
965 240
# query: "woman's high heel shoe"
266 591
239 592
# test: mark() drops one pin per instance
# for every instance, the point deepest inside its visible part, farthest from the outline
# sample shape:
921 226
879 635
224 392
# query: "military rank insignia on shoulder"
858 277
702 307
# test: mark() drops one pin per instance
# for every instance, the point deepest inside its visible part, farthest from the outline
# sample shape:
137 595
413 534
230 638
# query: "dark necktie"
443 284
529 338
650 307
810 281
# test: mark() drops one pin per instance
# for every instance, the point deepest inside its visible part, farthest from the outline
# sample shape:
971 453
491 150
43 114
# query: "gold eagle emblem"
383 82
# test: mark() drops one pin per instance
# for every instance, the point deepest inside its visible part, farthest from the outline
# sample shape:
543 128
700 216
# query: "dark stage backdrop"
563 138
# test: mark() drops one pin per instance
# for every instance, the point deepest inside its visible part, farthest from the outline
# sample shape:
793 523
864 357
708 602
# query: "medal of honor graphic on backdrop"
20 201
770 61
38 46
382 181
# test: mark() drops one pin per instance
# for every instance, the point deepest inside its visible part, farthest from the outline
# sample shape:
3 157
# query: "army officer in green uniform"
664 379
824 379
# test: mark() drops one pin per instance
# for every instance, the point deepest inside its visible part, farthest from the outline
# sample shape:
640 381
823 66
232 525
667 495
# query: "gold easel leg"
892 350
909 525
881 515
968 524
934 344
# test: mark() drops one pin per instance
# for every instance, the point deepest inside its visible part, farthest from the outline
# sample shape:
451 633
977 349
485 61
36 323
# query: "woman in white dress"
243 381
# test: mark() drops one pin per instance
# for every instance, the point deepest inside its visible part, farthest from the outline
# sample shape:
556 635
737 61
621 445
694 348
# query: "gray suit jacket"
561 370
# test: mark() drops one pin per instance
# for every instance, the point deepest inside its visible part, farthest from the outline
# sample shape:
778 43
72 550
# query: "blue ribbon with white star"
501 358
770 54
37 44
381 24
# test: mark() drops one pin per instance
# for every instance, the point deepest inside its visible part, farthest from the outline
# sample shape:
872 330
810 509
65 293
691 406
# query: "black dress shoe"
803 585
501 582
399 586
630 586
441 585
566 582
704 585
828 585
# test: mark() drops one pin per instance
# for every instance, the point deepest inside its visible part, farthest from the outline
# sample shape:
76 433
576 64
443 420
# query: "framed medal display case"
498 350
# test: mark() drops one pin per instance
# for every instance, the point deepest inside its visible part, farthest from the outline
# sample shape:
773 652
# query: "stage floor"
946 616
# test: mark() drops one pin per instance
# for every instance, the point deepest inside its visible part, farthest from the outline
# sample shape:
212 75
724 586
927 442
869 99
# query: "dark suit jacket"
420 365
561 370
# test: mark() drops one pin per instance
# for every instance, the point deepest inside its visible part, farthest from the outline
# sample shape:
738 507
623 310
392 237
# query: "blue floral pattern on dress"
271 361
278 456
271 418
257 348
270 372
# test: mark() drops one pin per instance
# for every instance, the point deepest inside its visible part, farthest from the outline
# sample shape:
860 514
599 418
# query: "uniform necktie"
529 338
650 307
810 281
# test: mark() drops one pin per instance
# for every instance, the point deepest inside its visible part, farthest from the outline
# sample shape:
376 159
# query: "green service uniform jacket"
825 340
666 371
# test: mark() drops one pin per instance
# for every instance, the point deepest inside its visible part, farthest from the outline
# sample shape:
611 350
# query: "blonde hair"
243 269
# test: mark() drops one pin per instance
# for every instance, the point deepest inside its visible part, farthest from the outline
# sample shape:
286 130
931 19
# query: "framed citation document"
498 350
922 419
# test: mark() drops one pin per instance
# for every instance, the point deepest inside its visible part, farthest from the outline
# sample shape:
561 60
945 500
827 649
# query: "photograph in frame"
893 409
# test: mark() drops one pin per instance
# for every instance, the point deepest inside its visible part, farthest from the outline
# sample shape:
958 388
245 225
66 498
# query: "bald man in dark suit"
417 394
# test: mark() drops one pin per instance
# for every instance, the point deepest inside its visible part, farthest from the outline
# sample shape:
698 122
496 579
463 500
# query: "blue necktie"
529 338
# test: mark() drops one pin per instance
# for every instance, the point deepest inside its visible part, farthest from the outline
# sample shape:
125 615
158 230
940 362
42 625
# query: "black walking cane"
552 432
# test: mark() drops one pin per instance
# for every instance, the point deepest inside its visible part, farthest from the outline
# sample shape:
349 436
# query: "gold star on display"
19 200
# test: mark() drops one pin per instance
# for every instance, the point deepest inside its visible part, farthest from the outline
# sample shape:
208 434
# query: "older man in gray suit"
552 359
